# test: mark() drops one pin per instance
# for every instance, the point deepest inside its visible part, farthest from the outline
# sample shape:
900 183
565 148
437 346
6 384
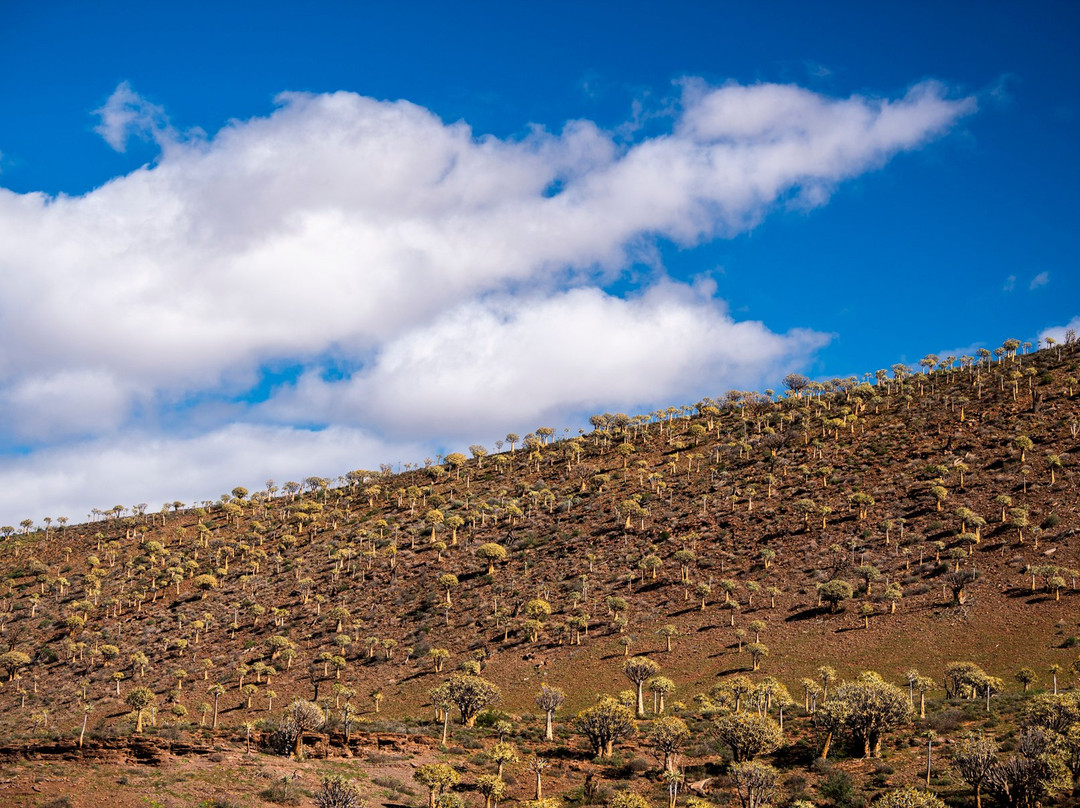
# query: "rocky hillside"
906 519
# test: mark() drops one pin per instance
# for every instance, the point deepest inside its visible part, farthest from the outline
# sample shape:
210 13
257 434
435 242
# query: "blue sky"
282 239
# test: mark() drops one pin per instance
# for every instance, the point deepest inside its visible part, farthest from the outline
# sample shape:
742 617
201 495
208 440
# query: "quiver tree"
830 717
501 754
625 799
437 778
874 707
204 583
339 614
833 593
975 758
668 735
1018 518
1055 713
754 782
828 676
440 700
604 723
492 788
86 710
1054 670
1032 775
811 692
668 631
638 669
962 679
757 651
536 610
921 684
454 522
470 694
12 661
434 517
748 734
491 552
138 699
217 691
660 687
907 797
685 558
738 687
869 573
448 582
1026 677
438 657
862 501
701 591
549 699
536 765
302 716
959 581
939 493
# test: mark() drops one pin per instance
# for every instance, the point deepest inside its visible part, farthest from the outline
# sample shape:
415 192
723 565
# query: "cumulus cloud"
1039 280
442 265
66 404
1059 332
138 467
507 362
127 114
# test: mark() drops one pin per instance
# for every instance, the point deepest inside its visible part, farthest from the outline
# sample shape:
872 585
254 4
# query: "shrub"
337 792
488 718
639 765
840 791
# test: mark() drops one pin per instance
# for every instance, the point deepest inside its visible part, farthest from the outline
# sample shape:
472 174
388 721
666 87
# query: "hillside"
946 499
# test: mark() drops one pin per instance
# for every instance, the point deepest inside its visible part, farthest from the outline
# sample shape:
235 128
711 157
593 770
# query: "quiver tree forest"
845 592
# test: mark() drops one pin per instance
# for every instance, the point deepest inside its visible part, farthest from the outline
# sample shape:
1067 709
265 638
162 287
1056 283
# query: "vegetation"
609 618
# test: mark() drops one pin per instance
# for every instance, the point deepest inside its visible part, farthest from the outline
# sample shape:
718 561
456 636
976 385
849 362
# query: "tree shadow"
812 613
730 671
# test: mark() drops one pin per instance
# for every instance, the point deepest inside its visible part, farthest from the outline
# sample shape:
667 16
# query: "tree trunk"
548 736
826 745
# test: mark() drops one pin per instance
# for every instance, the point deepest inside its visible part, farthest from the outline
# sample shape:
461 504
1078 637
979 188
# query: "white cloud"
148 468
1010 284
504 363
340 221
1057 332
63 405
1039 280
343 226
127 114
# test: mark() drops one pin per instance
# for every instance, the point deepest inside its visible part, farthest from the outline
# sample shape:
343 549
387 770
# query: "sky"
247 241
